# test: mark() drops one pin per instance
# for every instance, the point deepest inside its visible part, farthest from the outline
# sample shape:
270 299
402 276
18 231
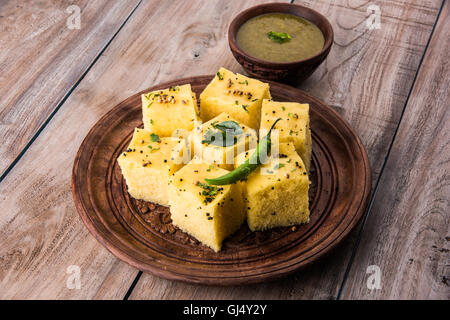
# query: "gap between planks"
64 99
133 285
369 208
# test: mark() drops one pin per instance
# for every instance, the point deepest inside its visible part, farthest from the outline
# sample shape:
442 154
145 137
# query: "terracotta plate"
142 235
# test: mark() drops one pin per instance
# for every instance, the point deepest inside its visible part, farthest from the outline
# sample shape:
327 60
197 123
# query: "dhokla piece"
277 193
293 127
235 94
147 164
209 213
219 140
165 111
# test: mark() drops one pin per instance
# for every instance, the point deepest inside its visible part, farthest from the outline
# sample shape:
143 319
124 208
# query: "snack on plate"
219 140
294 125
212 195
165 111
208 213
277 193
235 94
147 164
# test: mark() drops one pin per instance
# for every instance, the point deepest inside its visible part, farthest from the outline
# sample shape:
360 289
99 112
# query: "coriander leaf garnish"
278 166
210 192
229 126
153 149
224 135
219 75
279 37
245 106
154 137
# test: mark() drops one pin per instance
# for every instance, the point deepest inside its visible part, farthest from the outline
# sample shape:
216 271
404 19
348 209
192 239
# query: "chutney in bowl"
262 68
280 37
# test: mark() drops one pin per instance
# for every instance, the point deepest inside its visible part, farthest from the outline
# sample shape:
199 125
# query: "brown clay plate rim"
121 248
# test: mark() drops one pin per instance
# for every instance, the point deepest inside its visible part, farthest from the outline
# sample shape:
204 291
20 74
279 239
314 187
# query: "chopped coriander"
283 108
236 102
209 192
219 75
153 149
245 106
278 166
154 137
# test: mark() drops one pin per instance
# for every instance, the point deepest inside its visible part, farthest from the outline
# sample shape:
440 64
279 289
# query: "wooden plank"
407 231
39 177
41 59
366 77
40 231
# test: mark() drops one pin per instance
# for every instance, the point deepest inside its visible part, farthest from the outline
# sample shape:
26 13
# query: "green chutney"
280 37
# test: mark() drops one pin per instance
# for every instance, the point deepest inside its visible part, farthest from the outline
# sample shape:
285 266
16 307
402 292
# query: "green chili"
249 165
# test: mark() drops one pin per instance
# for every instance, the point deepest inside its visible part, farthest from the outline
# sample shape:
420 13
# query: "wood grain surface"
407 233
41 233
366 78
41 59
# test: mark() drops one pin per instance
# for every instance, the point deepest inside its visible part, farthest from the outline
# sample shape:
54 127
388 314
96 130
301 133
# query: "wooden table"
391 84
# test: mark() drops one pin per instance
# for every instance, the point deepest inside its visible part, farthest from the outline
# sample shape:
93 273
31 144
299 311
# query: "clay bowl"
296 71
